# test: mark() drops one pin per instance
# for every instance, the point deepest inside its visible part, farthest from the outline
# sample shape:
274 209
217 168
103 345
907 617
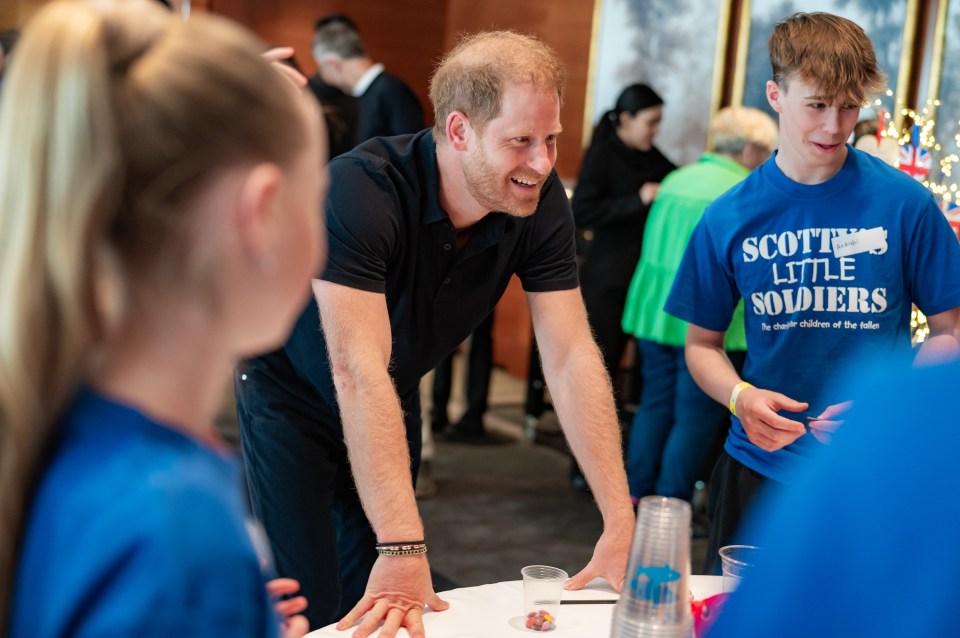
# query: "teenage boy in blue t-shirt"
828 247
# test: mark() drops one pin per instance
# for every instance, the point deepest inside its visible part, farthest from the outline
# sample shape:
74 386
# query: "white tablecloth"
493 611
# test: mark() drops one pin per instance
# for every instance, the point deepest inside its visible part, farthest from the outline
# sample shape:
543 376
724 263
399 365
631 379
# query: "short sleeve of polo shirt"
550 261
704 291
362 225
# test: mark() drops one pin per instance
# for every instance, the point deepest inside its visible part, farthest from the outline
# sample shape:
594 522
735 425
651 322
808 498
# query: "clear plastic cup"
542 590
738 561
655 601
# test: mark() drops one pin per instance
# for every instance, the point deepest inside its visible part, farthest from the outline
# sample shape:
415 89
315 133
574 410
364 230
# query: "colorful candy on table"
704 611
540 621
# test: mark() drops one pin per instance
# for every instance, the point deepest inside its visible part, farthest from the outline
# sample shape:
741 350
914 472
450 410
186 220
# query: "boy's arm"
756 408
942 344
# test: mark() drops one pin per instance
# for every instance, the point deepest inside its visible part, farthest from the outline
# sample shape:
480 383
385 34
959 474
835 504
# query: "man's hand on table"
609 559
398 589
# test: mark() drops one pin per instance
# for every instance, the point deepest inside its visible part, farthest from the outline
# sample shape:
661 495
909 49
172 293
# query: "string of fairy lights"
917 145
925 123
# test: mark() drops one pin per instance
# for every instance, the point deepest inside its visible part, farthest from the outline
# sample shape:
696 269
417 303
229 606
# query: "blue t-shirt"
864 542
136 530
813 306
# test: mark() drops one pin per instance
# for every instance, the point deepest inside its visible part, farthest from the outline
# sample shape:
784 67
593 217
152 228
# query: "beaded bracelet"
403 548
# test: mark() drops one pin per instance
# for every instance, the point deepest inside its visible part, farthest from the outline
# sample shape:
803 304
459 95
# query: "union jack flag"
913 159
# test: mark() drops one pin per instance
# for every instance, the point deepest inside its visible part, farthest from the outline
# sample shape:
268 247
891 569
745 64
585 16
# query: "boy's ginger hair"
828 52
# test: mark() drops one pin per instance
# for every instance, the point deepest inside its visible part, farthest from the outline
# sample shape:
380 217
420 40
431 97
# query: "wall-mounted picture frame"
890 25
677 48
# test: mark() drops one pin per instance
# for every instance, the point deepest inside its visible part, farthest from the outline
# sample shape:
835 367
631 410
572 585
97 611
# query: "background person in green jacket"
676 424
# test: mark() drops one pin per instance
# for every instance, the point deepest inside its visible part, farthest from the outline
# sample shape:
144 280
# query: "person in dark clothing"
339 110
385 104
7 39
339 113
479 369
424 232
618 182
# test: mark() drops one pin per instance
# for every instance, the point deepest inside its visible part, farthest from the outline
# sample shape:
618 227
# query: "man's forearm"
376 441
357 331
941 345
583 399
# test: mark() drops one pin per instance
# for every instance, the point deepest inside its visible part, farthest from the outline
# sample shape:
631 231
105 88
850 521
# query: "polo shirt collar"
430 185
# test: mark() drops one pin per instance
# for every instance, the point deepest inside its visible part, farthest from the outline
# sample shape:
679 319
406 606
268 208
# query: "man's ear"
330 67
774 93
258 207
458 130
331 60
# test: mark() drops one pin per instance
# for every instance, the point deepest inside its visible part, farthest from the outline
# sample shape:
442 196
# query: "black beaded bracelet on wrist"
402 548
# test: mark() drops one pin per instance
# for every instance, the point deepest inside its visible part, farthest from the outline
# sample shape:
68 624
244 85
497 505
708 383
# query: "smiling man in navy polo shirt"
424 233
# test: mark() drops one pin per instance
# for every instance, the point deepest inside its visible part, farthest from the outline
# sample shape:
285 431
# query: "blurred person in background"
479 368
385 104
160 186
618 181
8 38
676 425
339 108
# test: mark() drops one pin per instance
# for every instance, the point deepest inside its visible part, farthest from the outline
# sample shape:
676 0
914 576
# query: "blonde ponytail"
122 112
59 164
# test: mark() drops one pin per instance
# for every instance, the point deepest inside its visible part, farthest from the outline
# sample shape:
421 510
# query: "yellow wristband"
737 389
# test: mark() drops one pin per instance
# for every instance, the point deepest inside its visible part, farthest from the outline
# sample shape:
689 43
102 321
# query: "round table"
493 611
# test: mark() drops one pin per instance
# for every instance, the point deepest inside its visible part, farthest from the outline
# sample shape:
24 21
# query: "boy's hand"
827 423
757 410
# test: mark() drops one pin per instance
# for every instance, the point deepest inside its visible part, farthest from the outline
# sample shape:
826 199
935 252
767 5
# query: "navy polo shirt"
387 233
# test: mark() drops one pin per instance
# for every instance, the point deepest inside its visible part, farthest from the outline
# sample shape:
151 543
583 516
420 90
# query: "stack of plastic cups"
655 601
